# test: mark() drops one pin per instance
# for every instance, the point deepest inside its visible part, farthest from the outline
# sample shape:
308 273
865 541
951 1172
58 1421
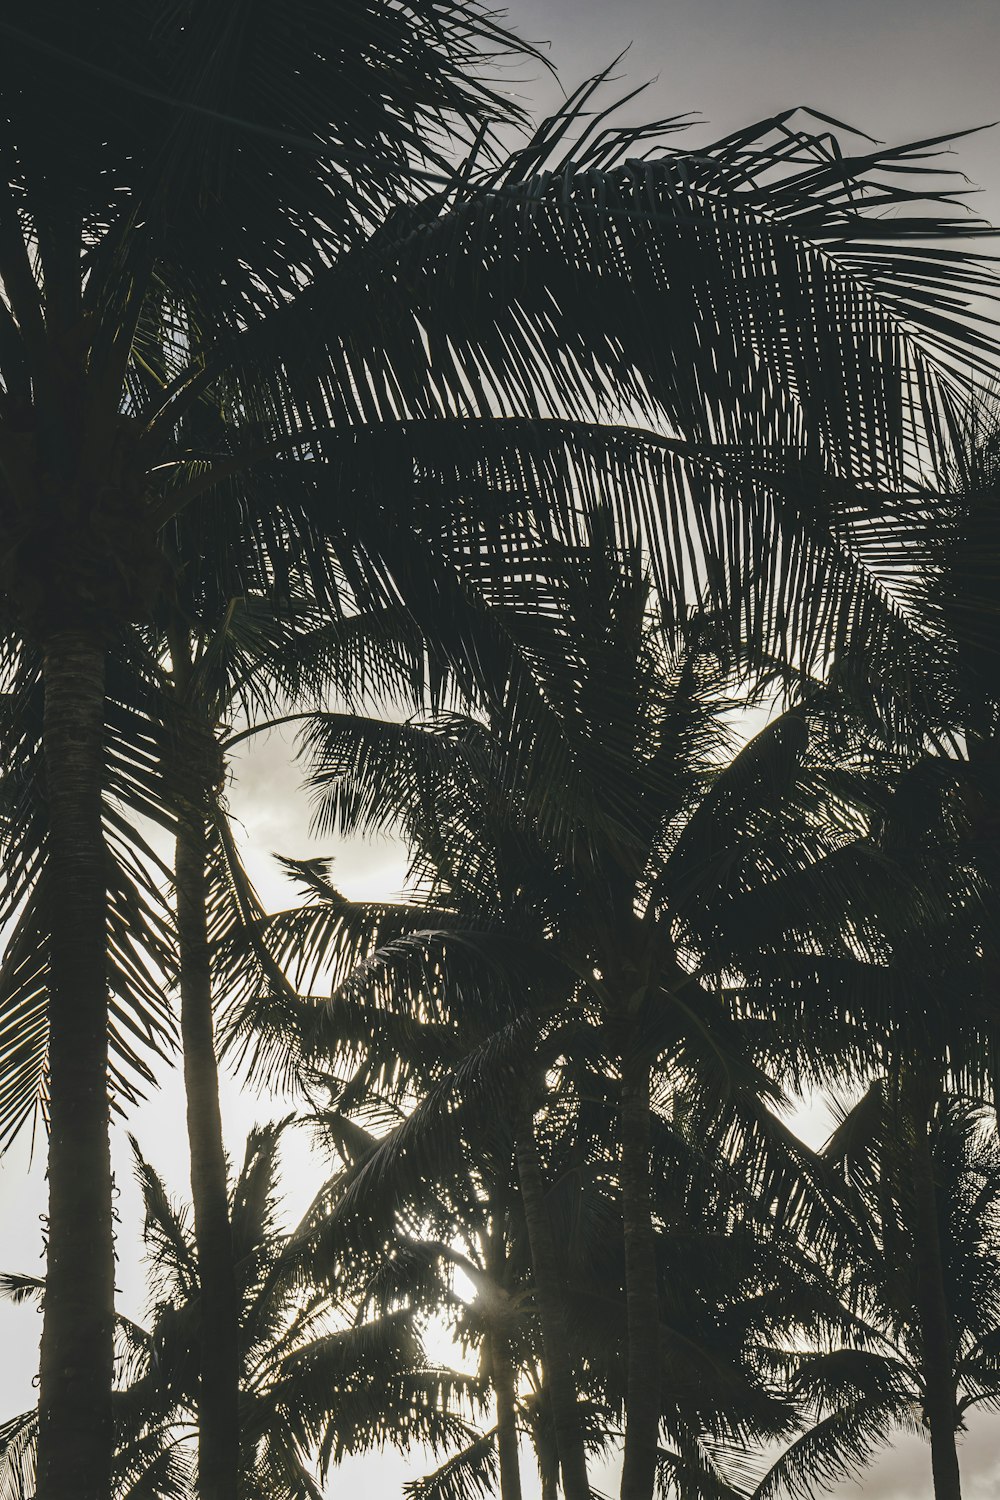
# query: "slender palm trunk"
505 1391
75 1438
935 1319
503 1376
548 1300
195 771
548 1465
218 1392
642 1414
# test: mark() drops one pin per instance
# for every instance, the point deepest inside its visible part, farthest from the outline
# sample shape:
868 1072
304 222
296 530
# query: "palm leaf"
470 1474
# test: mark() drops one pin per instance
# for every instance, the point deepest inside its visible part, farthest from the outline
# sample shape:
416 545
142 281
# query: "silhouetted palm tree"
457 1204
265 218
261 657
316 1384
919 1342
596 857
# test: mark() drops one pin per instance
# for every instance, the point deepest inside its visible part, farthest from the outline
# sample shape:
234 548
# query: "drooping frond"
18 1446
470 1474
836 1447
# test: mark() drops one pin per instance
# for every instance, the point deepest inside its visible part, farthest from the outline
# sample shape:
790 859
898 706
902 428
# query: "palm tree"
247 655
225 221
259 657
314 1385
456 1204
920 1173
466 1221
469 1212
908 986
591 849
105 241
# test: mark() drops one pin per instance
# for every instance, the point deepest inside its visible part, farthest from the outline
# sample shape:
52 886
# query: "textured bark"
548 1465
504 1389
75 1438
940 1394
642 1414
548 1300
219 1384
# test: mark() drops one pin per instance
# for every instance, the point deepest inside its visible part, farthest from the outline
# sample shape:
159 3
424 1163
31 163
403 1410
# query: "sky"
897 69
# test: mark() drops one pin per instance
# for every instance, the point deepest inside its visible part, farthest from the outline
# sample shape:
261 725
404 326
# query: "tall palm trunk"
502 1373
940 1402
219 1385
548 1300
548 1459
219 1381
75 1439
505 1391
642 1414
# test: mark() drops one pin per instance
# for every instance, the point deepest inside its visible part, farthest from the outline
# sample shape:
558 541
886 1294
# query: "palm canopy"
592 854
426 343
320 1380
216 150
252 659
190 252
110 329
597 805
718 1251
864 1388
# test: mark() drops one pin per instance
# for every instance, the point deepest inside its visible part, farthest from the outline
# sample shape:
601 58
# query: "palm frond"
836 1447
470 1474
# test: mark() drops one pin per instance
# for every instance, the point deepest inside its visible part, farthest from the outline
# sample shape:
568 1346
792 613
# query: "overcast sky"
897 69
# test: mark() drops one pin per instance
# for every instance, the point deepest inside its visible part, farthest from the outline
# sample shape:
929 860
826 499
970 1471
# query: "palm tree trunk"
548 1300
642 1409
501 1364
75 1436
940 1403
194 770
548 1462
504 1389
219 1386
